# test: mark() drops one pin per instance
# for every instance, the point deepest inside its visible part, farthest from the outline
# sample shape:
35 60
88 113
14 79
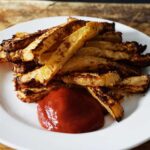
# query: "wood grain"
134 15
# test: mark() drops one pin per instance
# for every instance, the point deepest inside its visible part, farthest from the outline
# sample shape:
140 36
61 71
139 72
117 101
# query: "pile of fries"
78 53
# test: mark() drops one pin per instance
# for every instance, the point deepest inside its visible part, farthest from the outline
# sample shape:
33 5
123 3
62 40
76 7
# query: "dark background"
108 1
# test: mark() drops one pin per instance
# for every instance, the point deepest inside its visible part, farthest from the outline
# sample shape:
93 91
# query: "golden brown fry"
109 36
50 40
31 94
24 67
135 84
63 53
111 105
71 19
23 35
116 95
141 60
97 52
108 27
2 54
83 63
31 98
92 79
91 63
38 61
12 47
27 54
83 59
20 40
130 47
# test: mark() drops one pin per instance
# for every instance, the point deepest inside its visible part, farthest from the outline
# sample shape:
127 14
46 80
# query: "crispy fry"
25 67
20 40
94 51
135 84
141 60
112 106
130 47
83 53
63 53
137 60
15 57
106 66
2 55
91 63
109 36
92 79
116 95
26 54
108 27
32 95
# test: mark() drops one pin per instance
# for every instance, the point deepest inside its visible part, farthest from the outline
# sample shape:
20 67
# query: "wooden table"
135 15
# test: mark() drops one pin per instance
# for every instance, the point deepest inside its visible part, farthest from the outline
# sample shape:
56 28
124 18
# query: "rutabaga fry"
25 67
20 40
97 52
48 40
33 94
27 53
111 105
135 60
10 48
129 47
91 63
108 27
63 53
141 60
135 84
92 79
2 54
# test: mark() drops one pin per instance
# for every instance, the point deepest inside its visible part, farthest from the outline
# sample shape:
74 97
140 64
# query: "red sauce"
70 110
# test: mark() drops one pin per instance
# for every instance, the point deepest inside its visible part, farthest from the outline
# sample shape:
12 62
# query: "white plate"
19 126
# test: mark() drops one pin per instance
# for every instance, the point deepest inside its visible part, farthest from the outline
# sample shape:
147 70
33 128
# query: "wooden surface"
134 15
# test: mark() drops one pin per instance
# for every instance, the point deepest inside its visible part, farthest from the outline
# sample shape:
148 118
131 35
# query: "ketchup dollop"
70 110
